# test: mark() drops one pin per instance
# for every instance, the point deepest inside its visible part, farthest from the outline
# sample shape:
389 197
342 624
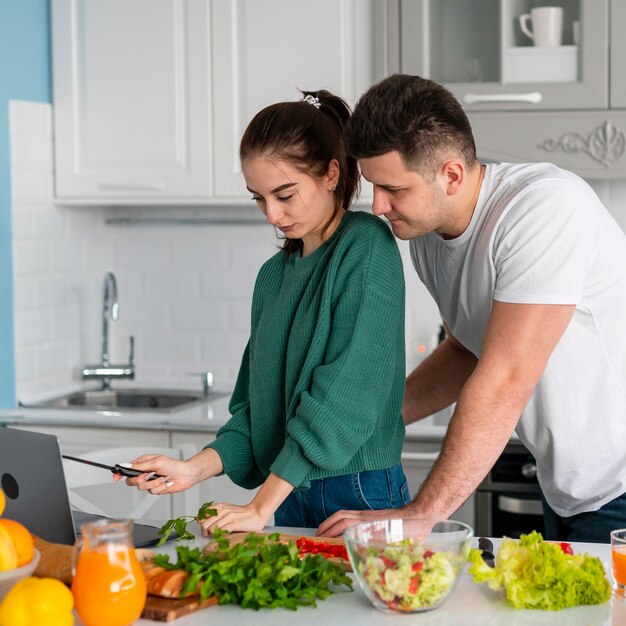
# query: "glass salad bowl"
408 565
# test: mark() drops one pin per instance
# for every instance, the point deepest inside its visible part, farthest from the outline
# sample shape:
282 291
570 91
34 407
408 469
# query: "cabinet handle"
419 456
534 97
105 186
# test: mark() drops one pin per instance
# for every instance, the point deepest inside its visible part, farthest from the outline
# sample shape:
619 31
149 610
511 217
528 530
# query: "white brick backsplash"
200 253
32 328
22 224
239 315
24 294
171 285
30 257
235 284
200 315
172 348
184 291
31 186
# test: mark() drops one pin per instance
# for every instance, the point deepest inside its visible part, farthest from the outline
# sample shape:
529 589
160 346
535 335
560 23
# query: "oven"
508 501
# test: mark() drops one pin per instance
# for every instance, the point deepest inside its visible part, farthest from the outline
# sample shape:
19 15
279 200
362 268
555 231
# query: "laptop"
32 478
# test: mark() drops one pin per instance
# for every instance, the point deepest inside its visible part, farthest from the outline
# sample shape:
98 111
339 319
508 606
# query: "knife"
115 469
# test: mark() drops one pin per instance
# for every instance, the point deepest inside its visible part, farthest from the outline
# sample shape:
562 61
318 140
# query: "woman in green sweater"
316 417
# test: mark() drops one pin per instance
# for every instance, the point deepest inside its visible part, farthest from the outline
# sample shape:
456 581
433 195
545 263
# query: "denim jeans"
373 489
593 526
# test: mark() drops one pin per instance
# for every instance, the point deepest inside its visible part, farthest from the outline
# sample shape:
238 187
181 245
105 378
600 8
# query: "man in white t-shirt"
528 270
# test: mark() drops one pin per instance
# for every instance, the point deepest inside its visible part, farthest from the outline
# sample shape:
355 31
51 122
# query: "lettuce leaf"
539 575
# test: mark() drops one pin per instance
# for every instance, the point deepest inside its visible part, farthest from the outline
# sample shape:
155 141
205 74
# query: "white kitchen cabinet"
116 496
132 100
151 97
566 104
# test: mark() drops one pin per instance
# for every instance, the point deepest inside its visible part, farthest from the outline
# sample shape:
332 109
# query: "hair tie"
314 100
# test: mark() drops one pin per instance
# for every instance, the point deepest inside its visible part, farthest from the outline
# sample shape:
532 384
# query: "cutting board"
168 609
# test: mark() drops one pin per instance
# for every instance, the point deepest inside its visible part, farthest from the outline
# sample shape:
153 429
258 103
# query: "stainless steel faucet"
110 311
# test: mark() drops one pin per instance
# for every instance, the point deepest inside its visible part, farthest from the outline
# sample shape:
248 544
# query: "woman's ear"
332 175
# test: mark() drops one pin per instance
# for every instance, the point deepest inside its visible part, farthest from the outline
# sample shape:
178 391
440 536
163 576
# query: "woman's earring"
335 187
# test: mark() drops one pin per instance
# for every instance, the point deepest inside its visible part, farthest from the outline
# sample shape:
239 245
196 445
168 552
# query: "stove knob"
529 470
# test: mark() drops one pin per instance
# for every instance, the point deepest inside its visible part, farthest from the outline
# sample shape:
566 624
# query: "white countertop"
468 605
205 416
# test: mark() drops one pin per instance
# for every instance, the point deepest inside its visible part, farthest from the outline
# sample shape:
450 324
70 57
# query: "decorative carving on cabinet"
605 143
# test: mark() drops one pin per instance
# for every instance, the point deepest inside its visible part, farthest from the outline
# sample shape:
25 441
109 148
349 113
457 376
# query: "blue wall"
24 75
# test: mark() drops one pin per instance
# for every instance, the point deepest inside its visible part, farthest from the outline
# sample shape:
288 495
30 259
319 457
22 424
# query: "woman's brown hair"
308 135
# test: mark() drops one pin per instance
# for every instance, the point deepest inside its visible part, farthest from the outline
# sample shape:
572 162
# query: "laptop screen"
32 478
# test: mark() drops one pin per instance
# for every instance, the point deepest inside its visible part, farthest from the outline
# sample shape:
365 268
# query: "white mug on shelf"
547 26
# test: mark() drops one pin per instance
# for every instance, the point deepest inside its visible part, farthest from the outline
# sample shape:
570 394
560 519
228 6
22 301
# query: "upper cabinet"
559 97
151 97
132 100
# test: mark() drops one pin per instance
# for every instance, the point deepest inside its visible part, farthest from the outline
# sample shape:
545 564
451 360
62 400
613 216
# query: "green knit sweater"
322 378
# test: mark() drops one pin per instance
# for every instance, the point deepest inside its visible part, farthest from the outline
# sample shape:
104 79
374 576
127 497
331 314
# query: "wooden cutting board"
168 609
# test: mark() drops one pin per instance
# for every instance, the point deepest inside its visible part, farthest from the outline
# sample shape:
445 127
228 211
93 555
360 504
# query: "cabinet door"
132 100
618 54
271 48
478 50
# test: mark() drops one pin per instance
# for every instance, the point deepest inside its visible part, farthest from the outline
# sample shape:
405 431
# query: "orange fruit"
22 540
8 554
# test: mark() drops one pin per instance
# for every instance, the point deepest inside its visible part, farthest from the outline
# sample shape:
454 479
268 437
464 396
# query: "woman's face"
298 204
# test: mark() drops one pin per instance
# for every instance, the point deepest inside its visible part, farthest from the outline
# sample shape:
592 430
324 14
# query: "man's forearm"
437 382
480 428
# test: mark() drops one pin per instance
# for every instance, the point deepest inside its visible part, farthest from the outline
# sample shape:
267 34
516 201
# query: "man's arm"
516 348
438 380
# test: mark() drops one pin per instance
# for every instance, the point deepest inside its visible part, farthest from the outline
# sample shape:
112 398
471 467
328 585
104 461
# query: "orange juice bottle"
109 586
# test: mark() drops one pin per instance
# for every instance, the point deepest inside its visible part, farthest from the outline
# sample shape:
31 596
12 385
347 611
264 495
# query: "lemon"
3 502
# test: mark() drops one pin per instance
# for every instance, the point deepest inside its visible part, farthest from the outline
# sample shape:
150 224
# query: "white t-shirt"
540 235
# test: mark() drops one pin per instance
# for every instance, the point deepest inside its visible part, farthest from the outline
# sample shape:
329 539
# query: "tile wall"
184 291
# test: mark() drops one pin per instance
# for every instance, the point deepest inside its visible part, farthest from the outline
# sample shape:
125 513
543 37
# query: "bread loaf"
164 583
55 561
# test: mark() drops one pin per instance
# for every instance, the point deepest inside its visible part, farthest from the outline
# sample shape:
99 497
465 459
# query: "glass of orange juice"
618 553
109 586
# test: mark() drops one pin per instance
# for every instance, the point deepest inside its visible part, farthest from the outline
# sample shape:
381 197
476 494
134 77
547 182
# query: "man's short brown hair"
418 118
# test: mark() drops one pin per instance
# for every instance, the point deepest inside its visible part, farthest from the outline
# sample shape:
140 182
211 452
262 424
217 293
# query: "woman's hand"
233 518
175 475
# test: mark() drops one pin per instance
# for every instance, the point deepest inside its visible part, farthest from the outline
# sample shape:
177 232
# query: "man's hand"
334 525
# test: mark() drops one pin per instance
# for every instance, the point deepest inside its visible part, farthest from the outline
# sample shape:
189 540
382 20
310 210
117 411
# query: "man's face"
413 206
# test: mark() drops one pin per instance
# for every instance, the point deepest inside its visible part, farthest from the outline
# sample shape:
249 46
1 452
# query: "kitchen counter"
468 605
206 416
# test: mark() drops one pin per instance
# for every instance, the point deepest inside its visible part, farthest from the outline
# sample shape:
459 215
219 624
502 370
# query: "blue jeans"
593 526
373 489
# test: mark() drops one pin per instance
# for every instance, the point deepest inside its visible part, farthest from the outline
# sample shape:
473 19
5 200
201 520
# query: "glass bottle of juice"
109 586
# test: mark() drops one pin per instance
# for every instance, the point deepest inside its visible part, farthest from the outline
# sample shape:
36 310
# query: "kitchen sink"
128 399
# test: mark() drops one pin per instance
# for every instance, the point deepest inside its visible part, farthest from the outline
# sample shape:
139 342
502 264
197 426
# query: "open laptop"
32 478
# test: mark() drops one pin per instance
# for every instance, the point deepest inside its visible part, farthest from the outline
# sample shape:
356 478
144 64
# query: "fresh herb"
179 525
259 572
